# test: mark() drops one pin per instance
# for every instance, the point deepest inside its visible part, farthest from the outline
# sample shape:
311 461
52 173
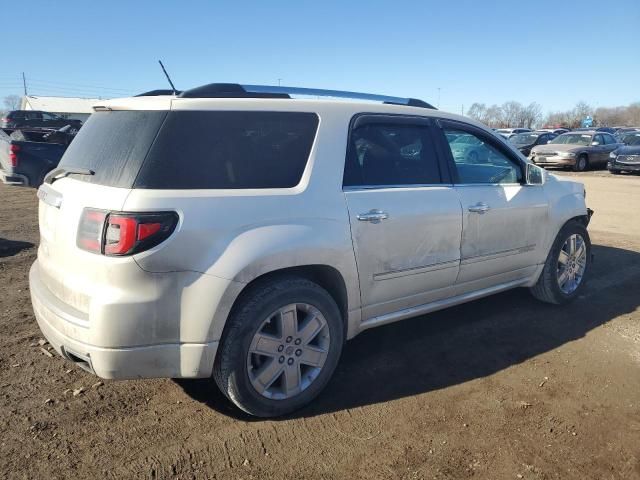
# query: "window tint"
598 138
113 145
608 139
220 149
390 154
479 161
33 115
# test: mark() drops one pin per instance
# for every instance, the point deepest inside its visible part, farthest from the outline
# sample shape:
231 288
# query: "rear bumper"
64 330
13 179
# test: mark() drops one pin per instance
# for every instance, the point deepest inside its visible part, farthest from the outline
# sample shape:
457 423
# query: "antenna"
175 92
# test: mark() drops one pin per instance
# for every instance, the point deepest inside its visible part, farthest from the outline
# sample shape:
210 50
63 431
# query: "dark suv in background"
39 119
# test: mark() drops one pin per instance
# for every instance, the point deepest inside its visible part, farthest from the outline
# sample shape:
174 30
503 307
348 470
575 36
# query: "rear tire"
582 164
266 363
554 285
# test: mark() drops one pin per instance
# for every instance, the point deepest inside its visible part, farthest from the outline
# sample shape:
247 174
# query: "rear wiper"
62 172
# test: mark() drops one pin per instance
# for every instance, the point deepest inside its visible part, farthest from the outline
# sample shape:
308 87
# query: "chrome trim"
318 92
373 216
440 304
49 196
479 207
356 188
489 185
415 270
503 253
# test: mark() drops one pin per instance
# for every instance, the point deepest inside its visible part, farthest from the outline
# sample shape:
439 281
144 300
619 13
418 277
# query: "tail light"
13 154
118 234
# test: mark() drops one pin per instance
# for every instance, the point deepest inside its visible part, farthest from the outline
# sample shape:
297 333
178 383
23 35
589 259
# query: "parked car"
629 137
526 141
556 131
627 157
200 236
622 132
611 130
580 150
37 118
508 132
27 155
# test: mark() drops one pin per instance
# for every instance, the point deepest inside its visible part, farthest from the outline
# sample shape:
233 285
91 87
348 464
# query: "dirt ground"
501 388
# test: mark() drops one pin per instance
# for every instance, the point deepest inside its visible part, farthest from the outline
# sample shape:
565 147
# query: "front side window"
391 155
599 140
478 160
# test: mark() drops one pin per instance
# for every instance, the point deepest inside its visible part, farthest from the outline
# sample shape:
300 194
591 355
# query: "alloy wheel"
288 351
572 262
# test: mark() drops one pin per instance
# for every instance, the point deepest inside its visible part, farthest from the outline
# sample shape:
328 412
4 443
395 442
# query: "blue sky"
553 52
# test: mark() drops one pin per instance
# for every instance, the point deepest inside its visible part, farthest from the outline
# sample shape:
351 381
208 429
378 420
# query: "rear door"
405 216
503 220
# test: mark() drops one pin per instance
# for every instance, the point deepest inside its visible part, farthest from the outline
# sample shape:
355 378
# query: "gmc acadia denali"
243 233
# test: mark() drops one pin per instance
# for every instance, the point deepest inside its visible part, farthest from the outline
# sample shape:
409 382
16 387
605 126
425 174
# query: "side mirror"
595 144
534 175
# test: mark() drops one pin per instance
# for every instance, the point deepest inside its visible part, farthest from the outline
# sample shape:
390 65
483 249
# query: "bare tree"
12 102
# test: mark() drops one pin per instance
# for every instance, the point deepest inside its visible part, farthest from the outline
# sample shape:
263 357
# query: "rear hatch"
112 145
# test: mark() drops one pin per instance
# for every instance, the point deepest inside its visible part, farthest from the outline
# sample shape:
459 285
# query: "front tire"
567 266
582 164
280 347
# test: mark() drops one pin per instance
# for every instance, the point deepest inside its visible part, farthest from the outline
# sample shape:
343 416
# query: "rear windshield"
194 149
113 145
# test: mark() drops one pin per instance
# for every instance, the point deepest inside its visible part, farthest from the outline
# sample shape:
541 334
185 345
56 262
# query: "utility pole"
24 84
279 80
462 110
438 97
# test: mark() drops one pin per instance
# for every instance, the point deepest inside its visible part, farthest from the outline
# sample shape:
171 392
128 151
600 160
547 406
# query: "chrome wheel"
572 263
288 351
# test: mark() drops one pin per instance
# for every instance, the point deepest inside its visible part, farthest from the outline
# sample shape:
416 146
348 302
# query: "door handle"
373 216
480 208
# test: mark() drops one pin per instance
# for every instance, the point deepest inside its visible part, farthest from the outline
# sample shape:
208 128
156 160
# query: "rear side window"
113 145
390 155
229 150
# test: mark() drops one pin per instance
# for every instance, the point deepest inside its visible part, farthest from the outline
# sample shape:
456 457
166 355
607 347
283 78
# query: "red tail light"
118 234
13 154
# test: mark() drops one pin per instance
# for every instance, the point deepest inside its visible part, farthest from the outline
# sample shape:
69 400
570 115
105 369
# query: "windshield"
524 138
632 139
572 139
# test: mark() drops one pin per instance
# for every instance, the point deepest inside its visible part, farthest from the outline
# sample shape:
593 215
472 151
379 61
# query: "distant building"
66 107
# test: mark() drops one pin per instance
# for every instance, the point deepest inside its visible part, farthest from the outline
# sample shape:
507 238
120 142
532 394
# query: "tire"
548 288
256 323
582 164
615 172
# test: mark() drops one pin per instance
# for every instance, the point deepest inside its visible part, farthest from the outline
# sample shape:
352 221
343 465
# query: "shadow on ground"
462 343
11 247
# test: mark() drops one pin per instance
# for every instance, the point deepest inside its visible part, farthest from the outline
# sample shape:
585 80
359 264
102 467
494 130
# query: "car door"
503 220
597 151
406 219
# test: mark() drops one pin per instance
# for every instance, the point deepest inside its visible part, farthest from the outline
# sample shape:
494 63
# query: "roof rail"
156 93
234 90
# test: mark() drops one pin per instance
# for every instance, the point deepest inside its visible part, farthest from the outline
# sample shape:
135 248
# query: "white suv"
234 232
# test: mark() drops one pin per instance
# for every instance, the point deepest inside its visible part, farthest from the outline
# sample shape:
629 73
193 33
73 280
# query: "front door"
406 220
504 220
